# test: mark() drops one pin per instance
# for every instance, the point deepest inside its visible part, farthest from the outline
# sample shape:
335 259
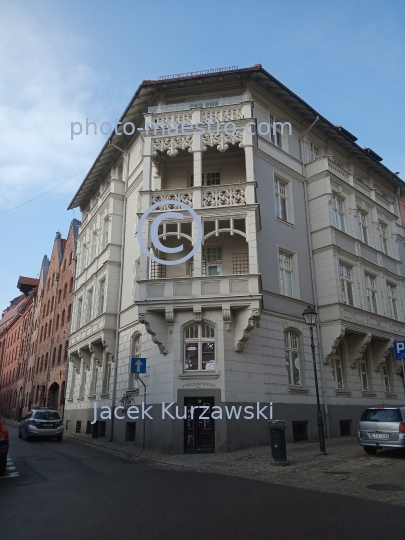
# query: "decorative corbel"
142 320
332 355
226 317
363 346
252 322
385 353
169 316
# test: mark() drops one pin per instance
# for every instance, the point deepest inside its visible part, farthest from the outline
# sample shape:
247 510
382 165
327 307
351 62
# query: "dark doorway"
199 433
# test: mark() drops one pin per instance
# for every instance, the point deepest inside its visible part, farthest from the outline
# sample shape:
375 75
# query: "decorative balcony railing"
227 114
361 186
185 197
224 196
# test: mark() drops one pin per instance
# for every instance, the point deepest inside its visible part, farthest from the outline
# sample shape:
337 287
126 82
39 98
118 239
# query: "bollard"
277 442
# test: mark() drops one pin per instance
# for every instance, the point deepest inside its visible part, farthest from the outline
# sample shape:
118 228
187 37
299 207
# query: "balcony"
203 197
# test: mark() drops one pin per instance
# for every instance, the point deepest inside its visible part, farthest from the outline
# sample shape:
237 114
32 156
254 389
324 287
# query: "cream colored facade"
272 244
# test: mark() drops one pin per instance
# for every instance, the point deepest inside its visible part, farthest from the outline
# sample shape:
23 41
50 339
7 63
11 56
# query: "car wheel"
371 450
19 433
3 466
59 438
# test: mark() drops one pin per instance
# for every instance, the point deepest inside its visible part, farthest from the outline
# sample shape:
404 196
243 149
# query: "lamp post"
310 316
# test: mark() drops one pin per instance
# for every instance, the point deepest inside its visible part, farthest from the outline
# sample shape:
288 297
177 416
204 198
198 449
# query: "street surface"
74 491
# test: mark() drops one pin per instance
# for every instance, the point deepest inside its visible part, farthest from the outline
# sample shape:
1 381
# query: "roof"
148 90
26 284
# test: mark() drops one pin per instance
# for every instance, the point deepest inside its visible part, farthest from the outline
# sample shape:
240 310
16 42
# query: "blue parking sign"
399 349
138 365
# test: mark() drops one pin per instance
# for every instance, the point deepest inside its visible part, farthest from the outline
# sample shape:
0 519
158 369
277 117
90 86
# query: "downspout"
315 296
27 356
114 392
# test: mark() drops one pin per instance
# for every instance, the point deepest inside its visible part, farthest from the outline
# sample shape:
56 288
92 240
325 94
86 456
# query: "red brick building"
16 327
34 333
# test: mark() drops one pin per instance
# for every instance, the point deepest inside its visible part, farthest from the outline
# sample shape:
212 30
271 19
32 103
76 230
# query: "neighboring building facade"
295 216
15 342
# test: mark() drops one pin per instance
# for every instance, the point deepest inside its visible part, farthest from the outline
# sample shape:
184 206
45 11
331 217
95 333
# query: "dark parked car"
382 426
41 422
3 446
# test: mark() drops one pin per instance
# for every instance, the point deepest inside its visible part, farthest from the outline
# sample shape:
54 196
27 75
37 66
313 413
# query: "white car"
41 422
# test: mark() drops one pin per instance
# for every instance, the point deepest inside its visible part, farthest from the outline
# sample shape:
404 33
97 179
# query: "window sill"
286 222
133 392
105 396
292 389
80 399
367 393
342 392
390 395
92 398
200 375
69 400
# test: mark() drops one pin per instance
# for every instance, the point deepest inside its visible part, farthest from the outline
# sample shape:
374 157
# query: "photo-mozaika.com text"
173 128
248 412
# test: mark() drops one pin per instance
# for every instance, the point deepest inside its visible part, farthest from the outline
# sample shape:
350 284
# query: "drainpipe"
114 392
315 296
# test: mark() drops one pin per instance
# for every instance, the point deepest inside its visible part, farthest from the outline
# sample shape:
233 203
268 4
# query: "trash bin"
277 442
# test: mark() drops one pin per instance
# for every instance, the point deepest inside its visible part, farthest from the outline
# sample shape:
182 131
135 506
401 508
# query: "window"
292 360
59 354
208 179
199 348
57 322
89 305
313 152
371 294
385 377
101 296
363 231
275 134
383 238
392 299
62 320
79 312
69 312
338 214
59 295
286 273
214 254
281 199
106 223
363 371
346 284
337 370
71 286
65 290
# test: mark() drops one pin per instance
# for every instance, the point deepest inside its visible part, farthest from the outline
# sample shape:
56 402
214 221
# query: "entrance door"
199 433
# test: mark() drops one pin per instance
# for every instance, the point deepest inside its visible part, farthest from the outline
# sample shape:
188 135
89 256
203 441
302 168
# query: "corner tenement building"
290 219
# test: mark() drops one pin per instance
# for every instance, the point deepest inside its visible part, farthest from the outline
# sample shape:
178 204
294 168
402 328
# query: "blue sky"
65 61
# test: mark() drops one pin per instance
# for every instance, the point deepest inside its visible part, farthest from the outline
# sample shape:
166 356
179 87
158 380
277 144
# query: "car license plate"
380 436
48 425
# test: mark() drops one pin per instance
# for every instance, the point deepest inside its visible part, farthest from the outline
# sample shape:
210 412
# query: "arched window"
292 358
59 354
59 295
45 330
53 356
69 313
65 290
199 347
49 328
71 284
57 322
62 321
66 350
46 362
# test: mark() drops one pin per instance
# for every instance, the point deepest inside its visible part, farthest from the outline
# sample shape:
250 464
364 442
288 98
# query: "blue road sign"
138 365
399 349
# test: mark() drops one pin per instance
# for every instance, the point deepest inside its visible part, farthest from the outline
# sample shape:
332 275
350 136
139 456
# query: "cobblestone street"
345 470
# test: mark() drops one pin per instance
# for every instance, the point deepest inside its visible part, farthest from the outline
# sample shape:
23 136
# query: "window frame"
282 272
339 213
370 285
279 196
199 341
292 347
383 233
344 284
392 300
362 221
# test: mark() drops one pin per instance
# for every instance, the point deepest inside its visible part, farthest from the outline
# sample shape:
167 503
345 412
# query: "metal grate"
240 263
300 431
130 431
345 428
157 271
78 426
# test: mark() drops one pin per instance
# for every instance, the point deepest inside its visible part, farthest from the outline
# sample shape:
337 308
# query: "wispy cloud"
43 87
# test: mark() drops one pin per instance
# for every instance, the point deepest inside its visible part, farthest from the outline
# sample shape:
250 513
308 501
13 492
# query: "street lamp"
310 316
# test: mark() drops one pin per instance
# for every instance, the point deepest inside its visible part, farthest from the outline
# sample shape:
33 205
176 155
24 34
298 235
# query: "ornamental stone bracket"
74 358
96 349
381 351
169 316
361 347
254 320
333 337
142 320
227 317
109 356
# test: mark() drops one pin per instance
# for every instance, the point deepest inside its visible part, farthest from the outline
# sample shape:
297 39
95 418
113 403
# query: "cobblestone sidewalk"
346 470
